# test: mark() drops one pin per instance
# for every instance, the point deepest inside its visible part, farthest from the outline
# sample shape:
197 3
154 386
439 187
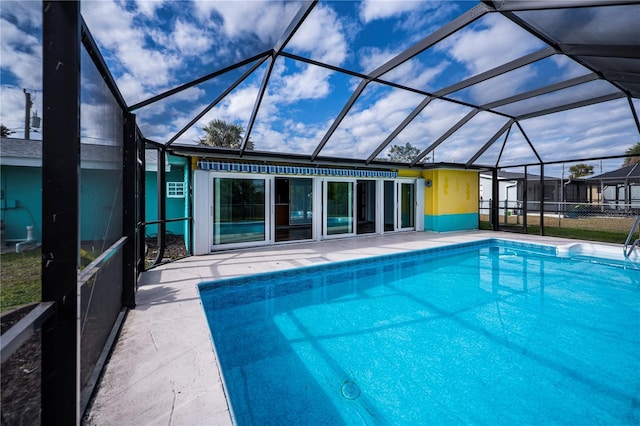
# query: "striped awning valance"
219 166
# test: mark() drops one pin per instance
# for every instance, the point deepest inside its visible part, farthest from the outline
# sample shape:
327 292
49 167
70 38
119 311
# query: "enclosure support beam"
634 113
256 106
217 100
60 210
129 210
541 198
507 126
525 199
162 205
417 110
444 137
142 197
495 190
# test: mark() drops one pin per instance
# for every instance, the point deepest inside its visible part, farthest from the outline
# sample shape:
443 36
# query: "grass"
574 233
20 275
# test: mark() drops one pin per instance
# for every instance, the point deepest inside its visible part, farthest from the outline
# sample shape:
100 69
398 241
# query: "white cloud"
610 130
21 55
497 42
25 13
322 35
264 19
115 30
364 129
414 73
502 86
190 39
370 10
311 83
148 7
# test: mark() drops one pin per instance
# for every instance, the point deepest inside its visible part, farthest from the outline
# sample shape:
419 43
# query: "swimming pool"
485 333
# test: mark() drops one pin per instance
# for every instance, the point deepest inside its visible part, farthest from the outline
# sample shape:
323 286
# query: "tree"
5 131
402 154
579 170
634 155
219 133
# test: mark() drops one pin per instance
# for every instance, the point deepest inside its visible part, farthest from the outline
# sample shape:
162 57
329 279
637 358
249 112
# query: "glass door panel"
407 205
294 208
239 210
366 212
389 206
339 208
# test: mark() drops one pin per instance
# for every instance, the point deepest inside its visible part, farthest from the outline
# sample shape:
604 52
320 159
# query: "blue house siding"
451 222
100 205
22 201
176 207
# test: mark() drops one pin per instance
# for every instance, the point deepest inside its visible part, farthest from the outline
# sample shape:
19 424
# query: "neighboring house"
556 191
21 187
21 190
620 188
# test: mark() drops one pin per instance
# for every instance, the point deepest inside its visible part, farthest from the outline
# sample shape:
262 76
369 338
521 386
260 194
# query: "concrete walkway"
163 370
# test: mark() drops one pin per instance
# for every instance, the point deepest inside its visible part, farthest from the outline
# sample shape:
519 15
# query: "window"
175 189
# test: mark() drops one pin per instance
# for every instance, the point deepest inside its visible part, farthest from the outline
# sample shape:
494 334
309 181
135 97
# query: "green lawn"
20 276
574 233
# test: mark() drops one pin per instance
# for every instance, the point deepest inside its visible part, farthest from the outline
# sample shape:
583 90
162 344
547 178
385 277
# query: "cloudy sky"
154 46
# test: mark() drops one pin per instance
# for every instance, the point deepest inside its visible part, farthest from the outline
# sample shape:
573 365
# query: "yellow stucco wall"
451 191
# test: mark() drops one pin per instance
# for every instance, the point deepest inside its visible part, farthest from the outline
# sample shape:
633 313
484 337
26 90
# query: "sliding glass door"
338 199
293 209
407 205
399 205
366 213
239 210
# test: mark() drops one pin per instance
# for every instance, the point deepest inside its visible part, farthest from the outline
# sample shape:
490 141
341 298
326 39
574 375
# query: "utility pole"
27 113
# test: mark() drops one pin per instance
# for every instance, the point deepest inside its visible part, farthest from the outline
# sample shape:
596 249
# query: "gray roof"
28 152
628 172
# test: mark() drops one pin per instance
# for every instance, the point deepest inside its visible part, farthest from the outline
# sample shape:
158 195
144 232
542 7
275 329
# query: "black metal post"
525 199
494 201
60 210
162 205
129 211
141 182
542 199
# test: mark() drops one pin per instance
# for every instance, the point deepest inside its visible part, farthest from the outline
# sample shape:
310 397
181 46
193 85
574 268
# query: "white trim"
419 214
202 212
176 189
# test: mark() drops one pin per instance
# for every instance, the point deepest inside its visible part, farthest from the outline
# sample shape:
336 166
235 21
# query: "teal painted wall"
100 204
176 207
22 186
451 222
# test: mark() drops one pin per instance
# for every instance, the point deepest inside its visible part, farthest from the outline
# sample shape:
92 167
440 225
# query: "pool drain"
350 390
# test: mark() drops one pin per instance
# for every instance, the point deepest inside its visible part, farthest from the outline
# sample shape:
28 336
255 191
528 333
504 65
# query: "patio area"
163 369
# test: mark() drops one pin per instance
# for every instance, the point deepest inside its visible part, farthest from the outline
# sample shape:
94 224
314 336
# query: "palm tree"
219 133
633 151
6 132
579 170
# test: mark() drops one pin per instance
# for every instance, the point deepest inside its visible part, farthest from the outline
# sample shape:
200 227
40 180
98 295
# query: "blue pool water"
484 333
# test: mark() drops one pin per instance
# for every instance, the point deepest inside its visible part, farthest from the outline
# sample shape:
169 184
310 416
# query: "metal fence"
90 222
613 218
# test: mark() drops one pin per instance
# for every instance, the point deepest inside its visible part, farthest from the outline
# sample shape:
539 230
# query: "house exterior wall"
22 201
22 205
451 200
176 207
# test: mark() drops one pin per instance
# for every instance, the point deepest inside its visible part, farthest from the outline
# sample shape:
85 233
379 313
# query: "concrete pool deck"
163 369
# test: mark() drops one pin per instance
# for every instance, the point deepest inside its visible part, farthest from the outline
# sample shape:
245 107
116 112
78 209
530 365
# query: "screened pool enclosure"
370 87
